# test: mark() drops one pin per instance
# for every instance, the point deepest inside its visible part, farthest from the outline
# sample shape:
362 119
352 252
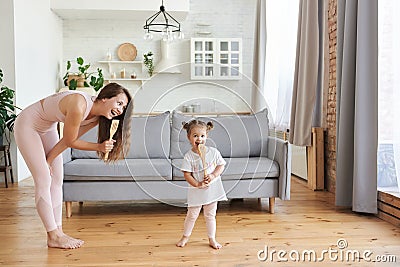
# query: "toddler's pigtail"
185 125
210 126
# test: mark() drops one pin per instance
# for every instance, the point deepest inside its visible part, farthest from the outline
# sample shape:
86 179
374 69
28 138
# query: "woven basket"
79 78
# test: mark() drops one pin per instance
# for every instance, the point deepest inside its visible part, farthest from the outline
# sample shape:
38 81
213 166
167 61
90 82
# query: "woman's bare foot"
73 239
80 242
214 244
181 243
57 239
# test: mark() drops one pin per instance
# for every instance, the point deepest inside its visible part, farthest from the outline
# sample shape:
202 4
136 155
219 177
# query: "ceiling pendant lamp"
163 23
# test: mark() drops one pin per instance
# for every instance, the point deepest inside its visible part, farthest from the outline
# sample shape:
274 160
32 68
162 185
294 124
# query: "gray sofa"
258 166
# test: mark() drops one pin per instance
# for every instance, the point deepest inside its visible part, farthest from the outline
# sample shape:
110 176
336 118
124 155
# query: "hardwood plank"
395 212
388 198
389 218
144 234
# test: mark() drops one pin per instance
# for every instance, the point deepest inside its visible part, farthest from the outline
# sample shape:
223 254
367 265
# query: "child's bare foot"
57 239
181 243
214 244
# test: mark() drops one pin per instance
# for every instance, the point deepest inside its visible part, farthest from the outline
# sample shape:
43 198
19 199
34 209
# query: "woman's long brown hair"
123 134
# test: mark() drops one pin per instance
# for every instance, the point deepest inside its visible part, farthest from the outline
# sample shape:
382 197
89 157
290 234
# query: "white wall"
38 46
92 38
7 52
34 56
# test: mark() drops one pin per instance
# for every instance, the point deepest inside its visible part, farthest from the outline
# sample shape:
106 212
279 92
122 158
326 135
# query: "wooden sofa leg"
272 205
68 208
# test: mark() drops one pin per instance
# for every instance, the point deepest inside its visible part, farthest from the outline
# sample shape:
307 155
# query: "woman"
37 138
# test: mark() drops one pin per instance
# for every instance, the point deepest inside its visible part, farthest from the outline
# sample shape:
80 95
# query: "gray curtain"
357 106
323 66
308 76
260 46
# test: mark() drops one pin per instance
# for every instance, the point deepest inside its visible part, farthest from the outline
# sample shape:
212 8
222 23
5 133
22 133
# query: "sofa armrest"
67 155
279 150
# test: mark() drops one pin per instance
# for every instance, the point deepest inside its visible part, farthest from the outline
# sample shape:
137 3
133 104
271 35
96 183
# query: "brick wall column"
330 138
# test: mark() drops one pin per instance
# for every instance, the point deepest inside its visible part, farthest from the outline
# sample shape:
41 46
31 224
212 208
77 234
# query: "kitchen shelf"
121 62
126 79
118 62
130 67
140 80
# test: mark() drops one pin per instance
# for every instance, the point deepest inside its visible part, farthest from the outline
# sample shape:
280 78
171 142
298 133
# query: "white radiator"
299 161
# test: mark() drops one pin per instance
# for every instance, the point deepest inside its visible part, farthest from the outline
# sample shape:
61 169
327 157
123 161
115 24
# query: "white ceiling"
117 9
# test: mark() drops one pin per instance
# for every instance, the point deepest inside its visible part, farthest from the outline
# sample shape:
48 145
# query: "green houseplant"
80 78
7 108
148 62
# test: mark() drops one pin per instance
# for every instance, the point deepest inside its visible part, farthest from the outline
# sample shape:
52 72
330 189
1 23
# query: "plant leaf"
79 60
72 84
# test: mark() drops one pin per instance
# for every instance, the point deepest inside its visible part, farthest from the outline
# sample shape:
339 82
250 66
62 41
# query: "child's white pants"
209 210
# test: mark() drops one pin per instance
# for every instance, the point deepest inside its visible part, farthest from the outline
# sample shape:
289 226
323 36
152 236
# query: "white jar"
189 109
196 107
108 55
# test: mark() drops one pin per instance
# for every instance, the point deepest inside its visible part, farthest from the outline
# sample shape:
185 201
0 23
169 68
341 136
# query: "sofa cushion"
238 168
150 137
90 136
128 169
248 133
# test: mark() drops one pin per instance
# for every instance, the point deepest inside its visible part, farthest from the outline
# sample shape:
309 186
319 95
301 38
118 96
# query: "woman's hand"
50 168
107 146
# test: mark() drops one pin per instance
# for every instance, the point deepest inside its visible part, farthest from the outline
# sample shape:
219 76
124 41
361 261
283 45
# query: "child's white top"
215 191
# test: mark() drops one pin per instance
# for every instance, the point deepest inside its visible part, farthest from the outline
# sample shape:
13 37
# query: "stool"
7 162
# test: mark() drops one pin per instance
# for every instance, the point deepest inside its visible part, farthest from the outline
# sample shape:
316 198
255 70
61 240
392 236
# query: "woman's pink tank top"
51 109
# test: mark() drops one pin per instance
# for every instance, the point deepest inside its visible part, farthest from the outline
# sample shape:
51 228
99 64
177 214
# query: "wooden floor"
131 234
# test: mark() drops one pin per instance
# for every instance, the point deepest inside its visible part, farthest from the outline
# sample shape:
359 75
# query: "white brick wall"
228 18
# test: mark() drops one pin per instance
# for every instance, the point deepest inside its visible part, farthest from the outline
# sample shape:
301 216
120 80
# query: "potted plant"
80 78
148 62
7 109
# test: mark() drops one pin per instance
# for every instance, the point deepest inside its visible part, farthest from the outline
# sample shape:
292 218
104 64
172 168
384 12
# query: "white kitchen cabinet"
216 58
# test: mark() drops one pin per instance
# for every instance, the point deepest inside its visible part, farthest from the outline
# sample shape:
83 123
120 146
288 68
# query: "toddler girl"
205 181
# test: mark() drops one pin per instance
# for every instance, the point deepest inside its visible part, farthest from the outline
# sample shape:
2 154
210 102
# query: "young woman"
37 138
205 181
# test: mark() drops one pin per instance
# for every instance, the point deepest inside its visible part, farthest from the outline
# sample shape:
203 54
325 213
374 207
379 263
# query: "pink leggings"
209 210
35 138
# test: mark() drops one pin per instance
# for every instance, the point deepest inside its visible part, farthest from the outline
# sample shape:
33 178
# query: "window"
389 96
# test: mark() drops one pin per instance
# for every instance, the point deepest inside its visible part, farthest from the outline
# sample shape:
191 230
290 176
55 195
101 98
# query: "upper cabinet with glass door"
216 58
